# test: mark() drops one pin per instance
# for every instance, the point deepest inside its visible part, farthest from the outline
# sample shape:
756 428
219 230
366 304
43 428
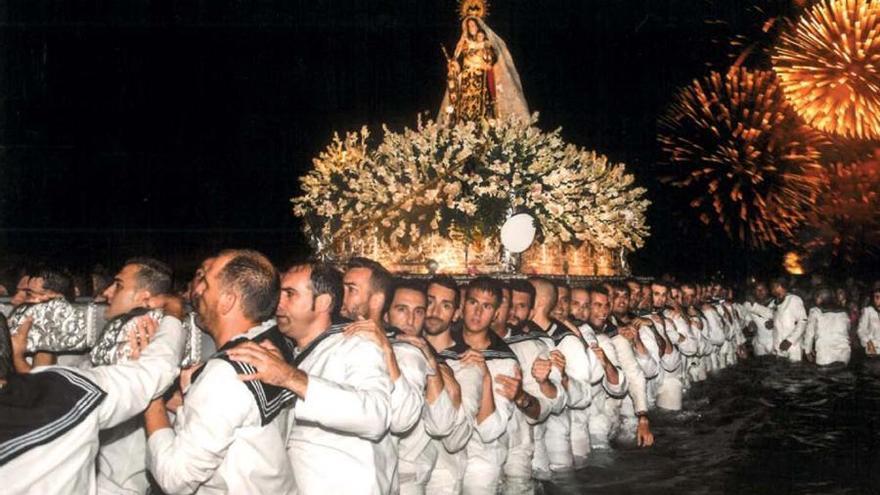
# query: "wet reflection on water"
763 426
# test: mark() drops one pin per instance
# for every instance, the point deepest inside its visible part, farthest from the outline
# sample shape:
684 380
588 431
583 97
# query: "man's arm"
470 379
408 394
131 385
216 406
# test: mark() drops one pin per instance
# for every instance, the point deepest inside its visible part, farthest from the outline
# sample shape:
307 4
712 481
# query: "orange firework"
845 223
749 162
829 67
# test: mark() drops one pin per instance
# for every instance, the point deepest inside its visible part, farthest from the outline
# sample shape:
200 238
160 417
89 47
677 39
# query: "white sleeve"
578 368
131 385
811 328
716 327
439 417
496 424
690 346
617 391
360 404
530 385
408 395
650 362
215 407
799 315
470 379
867 328
634 377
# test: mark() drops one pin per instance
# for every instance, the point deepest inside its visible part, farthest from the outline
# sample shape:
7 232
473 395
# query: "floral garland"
468 179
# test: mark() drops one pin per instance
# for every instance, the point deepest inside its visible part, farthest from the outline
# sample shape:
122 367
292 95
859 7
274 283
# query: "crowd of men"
316 380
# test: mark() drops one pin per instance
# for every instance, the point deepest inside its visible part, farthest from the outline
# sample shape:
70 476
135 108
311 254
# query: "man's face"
441 309
646 296
503 313
675 297
356 303
688 296
479 310
659 296
761 292
37 293
875 298
200 272
207 292
777 289
580 304
21 294
520 307
621 304
407 311
634 290
563 303
123 294
296 306
599 308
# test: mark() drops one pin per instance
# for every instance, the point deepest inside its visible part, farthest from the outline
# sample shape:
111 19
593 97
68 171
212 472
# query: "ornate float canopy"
434 198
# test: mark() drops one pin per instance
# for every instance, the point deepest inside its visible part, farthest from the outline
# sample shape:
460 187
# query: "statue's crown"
473 8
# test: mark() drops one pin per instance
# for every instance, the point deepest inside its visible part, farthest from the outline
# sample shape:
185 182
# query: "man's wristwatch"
524 401
642 414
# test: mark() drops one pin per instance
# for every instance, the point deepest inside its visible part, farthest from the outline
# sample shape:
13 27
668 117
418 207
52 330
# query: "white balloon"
518 232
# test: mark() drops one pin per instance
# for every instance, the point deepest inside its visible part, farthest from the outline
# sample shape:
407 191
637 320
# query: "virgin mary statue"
482 82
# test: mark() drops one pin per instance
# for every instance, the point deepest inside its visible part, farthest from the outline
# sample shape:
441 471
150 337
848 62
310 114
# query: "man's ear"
143 298
323 303
228 301
456 315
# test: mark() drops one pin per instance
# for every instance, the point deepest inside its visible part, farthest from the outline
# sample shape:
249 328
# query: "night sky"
176 128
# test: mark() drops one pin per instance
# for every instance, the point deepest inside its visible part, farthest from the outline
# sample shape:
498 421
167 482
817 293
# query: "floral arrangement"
466 181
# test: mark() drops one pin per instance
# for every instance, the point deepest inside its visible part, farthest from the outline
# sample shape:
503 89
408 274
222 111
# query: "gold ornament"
473 8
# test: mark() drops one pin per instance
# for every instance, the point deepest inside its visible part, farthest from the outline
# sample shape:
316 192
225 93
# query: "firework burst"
829 67
845 224
747 160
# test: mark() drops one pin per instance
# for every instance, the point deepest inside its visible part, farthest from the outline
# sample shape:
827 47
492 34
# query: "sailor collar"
497 349
270 400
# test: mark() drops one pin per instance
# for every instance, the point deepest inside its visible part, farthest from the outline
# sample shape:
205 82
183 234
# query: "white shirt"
828 333
869 327
333 443
789 323
218 443
67 464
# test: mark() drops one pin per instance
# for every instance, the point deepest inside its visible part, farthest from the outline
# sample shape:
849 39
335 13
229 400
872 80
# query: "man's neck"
478 340
440 341
310 333
542 319
231 330
500 330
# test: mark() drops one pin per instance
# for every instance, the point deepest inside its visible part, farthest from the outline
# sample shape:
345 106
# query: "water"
763 426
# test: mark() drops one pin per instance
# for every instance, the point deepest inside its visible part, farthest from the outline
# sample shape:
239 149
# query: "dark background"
175 128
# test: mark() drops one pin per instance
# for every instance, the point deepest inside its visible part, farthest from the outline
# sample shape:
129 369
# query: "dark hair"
631 280
381 280
619 287
525 287
252 275
560 284
324 278
57 280
486 284
446 282
152 275
598 289
661 283
781 281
